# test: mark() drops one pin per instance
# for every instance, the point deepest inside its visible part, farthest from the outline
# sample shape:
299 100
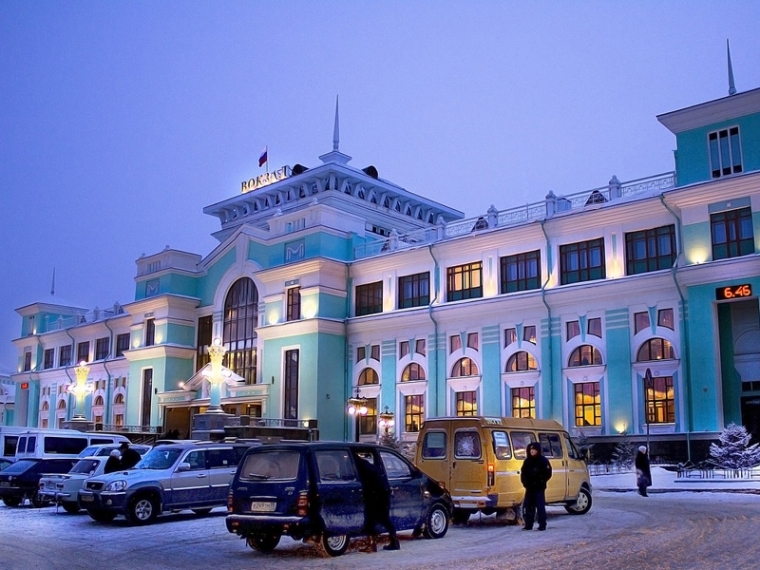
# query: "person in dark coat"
377 504
534 474
113 463
643 471
129 457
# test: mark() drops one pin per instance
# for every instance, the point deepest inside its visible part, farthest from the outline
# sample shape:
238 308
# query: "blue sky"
120 121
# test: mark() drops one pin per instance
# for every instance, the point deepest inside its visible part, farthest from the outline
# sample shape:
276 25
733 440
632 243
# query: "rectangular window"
290 385
414 290
27 361
147 397
122 344
510 336
529 334
204 340
523 402
368 422
582 261
725 152
472 341
294 304
403 348
665 318
521 272
48 360
660 401
732 233
573 329
640 321
361 353
588 405
650 250
374 352
455 343
464 281
414 412
150 332
595 327
64 355
369 298
101 348
83 352
467 403
419 346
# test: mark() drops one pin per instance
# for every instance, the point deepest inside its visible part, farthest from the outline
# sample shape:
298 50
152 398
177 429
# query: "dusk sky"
120 121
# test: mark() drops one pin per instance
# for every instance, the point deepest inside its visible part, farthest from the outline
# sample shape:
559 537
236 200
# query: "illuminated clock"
734 292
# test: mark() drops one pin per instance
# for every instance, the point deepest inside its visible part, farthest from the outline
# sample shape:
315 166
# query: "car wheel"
436 522
142 510
460 516
263 542
38 500
71 508
101 516
12 501
201 512
582 505
334 545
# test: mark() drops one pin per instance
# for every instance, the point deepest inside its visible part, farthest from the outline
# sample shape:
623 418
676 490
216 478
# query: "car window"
21 466
467 444
520 441
70 445
85 466
159 458
196 459
395 467
501 445
335 465
572 451
279 464
550 445
434 445
220 458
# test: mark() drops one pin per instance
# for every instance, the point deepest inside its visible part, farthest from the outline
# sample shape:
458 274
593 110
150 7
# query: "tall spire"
731 86
52 286
336 129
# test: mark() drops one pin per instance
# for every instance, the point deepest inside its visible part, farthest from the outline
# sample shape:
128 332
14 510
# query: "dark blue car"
312 492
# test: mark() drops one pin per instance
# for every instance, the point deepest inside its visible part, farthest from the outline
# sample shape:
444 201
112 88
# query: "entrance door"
751 416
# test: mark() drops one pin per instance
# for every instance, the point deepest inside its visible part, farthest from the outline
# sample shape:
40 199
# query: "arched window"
413 372
241 308
45 406
119 399
656 349
521 361
585 355
464 367
98 401
61 404
368 376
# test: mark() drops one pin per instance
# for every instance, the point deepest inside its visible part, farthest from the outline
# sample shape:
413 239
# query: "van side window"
67 444
520 441
572 451
501 445
335 466
101 440
550 445
9 449
434 445
225 457
467 445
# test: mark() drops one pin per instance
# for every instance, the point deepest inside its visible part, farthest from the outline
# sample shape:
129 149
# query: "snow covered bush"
733 450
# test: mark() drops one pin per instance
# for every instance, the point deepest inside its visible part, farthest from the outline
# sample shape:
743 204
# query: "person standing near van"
129 457
534 474
377 504
113 463
643 471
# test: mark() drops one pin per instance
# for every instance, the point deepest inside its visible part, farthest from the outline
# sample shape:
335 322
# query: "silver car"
63 488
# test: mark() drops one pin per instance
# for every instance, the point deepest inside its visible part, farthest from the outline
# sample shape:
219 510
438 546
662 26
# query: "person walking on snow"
643 471
534 474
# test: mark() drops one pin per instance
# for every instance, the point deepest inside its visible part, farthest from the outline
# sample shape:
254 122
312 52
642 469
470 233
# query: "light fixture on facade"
357 407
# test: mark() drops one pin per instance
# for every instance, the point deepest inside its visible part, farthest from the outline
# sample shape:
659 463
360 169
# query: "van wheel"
142 510
12 501
71 508
460 516
334 545
582 505
263 542
202 512
436 522
101 516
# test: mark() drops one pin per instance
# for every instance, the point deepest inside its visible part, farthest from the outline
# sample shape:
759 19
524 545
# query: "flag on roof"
263 157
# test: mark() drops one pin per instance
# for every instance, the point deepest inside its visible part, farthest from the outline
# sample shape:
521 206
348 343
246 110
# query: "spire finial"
336 129
731 86
52 286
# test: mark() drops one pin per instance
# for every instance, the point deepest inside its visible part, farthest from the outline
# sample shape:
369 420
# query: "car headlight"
116 485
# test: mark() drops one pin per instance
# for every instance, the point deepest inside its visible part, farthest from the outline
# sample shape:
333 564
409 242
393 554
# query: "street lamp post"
647 387
80 389
357 407
386 421
216 375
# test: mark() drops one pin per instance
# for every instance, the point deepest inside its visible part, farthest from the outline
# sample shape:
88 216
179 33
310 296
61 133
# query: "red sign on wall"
25 385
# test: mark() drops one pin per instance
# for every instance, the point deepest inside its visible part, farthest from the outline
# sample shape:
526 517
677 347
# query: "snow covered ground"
664 480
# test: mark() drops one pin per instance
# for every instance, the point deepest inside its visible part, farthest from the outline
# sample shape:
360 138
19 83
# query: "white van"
59 443
9 439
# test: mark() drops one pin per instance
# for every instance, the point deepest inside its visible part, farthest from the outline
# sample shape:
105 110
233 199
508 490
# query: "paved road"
622 531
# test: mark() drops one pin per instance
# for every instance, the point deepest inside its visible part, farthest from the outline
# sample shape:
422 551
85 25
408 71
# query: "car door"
551 448
222 465
407 501
190 486
341 502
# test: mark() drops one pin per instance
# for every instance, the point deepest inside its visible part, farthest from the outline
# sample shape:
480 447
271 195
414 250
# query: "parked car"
21 480
106 448
169 478
4 462
63 488
312 492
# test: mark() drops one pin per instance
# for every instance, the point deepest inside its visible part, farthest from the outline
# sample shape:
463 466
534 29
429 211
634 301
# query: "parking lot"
668 530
